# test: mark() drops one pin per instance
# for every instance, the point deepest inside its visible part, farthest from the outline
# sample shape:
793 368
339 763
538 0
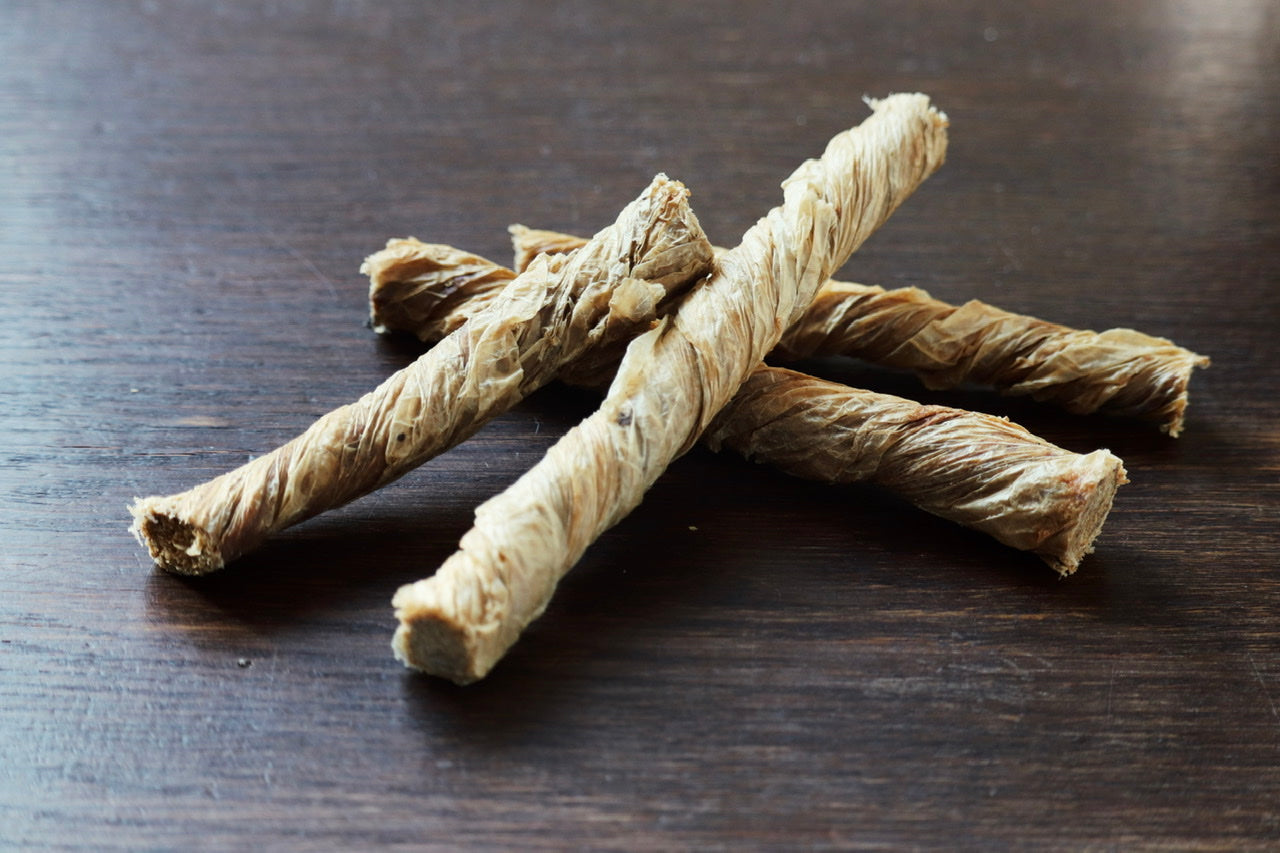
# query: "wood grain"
747 661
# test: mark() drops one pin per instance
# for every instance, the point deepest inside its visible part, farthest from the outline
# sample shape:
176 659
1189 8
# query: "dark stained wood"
187 190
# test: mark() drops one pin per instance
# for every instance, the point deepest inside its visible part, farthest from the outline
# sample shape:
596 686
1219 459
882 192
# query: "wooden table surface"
748 660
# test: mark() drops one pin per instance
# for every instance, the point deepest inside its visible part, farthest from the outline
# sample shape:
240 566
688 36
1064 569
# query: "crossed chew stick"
1117 372
980 471
669 386
548 316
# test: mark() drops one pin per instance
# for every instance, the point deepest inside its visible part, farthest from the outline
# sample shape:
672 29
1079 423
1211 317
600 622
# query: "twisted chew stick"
436 288
974 469
557 310
670 385
1119 371
981 471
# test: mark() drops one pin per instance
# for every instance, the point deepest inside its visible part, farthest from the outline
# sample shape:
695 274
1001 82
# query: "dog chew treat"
668 388
560 308
980 471
1117 372
431 282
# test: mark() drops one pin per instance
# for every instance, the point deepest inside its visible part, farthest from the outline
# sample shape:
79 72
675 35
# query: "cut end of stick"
1179 399
430 641
907 101
422 287
176 545
1095 482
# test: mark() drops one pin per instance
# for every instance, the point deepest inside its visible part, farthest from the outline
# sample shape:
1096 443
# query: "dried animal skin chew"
1119 371
560 308
977 470
669 386
528 243
418 296
430 289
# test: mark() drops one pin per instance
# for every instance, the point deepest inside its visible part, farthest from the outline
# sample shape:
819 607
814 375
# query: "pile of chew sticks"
674 332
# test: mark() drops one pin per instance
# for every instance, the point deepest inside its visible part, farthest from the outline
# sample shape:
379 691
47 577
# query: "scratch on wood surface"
305 261
1263 684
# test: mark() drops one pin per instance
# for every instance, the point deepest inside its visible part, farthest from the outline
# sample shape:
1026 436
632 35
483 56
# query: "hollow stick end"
176 544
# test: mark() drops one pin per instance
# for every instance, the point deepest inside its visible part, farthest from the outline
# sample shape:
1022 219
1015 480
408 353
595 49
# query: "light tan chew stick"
980 471
1118 372
669 386
431 288
552 314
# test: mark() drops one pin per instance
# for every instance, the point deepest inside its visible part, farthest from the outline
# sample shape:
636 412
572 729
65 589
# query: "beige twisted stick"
981 471
977 470
669 386
1118 371
431 289
549 315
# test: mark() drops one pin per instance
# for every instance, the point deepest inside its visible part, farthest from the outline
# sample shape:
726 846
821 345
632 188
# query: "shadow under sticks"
761 557
334 563
397 535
